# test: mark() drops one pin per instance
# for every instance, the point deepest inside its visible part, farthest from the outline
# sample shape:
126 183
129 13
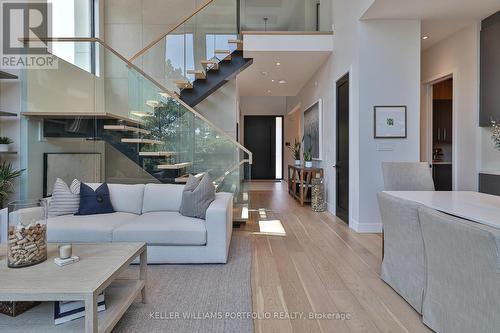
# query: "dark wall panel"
490 71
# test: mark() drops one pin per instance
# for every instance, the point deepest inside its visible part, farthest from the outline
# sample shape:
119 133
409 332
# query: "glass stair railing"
193 60
99 103
198 56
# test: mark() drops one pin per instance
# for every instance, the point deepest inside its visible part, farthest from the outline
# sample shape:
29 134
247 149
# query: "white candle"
65 251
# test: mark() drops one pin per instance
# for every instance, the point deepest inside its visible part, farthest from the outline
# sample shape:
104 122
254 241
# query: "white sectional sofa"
150 213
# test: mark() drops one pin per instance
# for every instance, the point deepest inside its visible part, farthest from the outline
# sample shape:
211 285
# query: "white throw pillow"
65 200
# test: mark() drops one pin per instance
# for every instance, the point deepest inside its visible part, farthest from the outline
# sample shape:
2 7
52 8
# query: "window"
217 42
73 18
179 55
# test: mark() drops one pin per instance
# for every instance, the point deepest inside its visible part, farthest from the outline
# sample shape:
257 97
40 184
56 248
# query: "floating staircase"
216 73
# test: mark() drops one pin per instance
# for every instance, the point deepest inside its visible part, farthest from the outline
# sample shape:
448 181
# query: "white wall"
263 105
381 72
458 55
389 75
129 25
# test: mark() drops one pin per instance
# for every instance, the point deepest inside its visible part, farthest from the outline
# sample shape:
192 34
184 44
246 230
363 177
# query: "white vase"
297 162
4 148
308 164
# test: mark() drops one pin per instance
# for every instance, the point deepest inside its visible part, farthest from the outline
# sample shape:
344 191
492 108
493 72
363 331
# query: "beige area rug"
183 298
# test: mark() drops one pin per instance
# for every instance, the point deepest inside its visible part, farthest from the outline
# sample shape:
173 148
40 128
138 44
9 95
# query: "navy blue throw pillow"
94 202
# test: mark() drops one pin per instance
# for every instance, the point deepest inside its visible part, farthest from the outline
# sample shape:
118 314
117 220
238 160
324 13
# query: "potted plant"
7 176
297 145
4 143
308 159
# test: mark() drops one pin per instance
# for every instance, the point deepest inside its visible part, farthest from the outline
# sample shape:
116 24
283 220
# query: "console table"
299 181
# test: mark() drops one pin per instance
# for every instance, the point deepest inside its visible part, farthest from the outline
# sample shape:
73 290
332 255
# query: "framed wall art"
390 122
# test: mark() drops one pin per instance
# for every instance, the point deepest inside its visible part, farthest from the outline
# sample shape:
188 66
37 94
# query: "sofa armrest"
219 224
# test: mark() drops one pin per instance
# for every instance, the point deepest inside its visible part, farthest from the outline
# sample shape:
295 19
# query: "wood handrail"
181 22
304 33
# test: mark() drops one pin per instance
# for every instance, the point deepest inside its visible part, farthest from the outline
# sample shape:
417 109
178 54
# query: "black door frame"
344 215
248 174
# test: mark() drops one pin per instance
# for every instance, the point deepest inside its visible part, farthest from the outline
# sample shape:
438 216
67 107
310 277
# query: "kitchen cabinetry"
442 121
442 173
489 183
490 71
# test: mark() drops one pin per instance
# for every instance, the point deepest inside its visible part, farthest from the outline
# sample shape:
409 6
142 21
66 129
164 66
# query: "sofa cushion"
85 228
125 198
197 196
163 228
65 199
162 197
94 201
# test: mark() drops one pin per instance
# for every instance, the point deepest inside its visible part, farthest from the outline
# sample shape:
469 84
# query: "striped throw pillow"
65 200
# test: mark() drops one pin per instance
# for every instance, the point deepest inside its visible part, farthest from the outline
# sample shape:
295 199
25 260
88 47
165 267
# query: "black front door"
260 139
342 163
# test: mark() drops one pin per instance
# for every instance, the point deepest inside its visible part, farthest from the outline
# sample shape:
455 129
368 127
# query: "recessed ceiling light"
282 81
425 37
264 73
278 64
272 80
269 91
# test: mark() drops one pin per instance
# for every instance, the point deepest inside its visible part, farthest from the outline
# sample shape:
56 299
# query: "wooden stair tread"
183 84
156 153
199 74
153 103
173 166
139 140
227 54
238 42
125 128
206 63
184 178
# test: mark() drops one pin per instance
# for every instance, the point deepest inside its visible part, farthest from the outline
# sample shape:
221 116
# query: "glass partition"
178 57
292 15
116 125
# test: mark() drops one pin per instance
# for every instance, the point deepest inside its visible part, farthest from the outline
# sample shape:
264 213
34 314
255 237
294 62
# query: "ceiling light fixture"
425 37
269 91
264 73
278 64
282 81
272 80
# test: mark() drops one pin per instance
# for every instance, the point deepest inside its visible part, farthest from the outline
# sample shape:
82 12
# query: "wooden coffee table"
98 270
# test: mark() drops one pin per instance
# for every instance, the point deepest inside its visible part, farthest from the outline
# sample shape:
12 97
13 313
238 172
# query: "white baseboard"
365 227
330 207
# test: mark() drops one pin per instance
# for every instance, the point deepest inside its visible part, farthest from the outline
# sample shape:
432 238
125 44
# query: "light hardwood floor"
320 266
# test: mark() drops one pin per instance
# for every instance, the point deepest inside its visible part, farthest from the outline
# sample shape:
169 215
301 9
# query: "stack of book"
66 311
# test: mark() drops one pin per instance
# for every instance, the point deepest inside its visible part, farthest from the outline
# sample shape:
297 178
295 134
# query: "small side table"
299 181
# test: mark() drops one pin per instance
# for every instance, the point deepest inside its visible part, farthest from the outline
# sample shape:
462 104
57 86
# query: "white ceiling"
440 18
296 69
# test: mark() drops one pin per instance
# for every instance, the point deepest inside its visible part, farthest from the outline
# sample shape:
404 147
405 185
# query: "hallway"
319 266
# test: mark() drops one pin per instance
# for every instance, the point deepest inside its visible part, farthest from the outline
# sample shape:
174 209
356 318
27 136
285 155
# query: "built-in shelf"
7 114
5 75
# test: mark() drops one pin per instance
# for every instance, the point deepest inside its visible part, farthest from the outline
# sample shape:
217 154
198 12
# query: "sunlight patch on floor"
271 228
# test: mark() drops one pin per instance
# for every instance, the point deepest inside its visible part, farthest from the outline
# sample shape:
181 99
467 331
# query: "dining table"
473 206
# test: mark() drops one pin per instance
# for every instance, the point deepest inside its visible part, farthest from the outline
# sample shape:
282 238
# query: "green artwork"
390 121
